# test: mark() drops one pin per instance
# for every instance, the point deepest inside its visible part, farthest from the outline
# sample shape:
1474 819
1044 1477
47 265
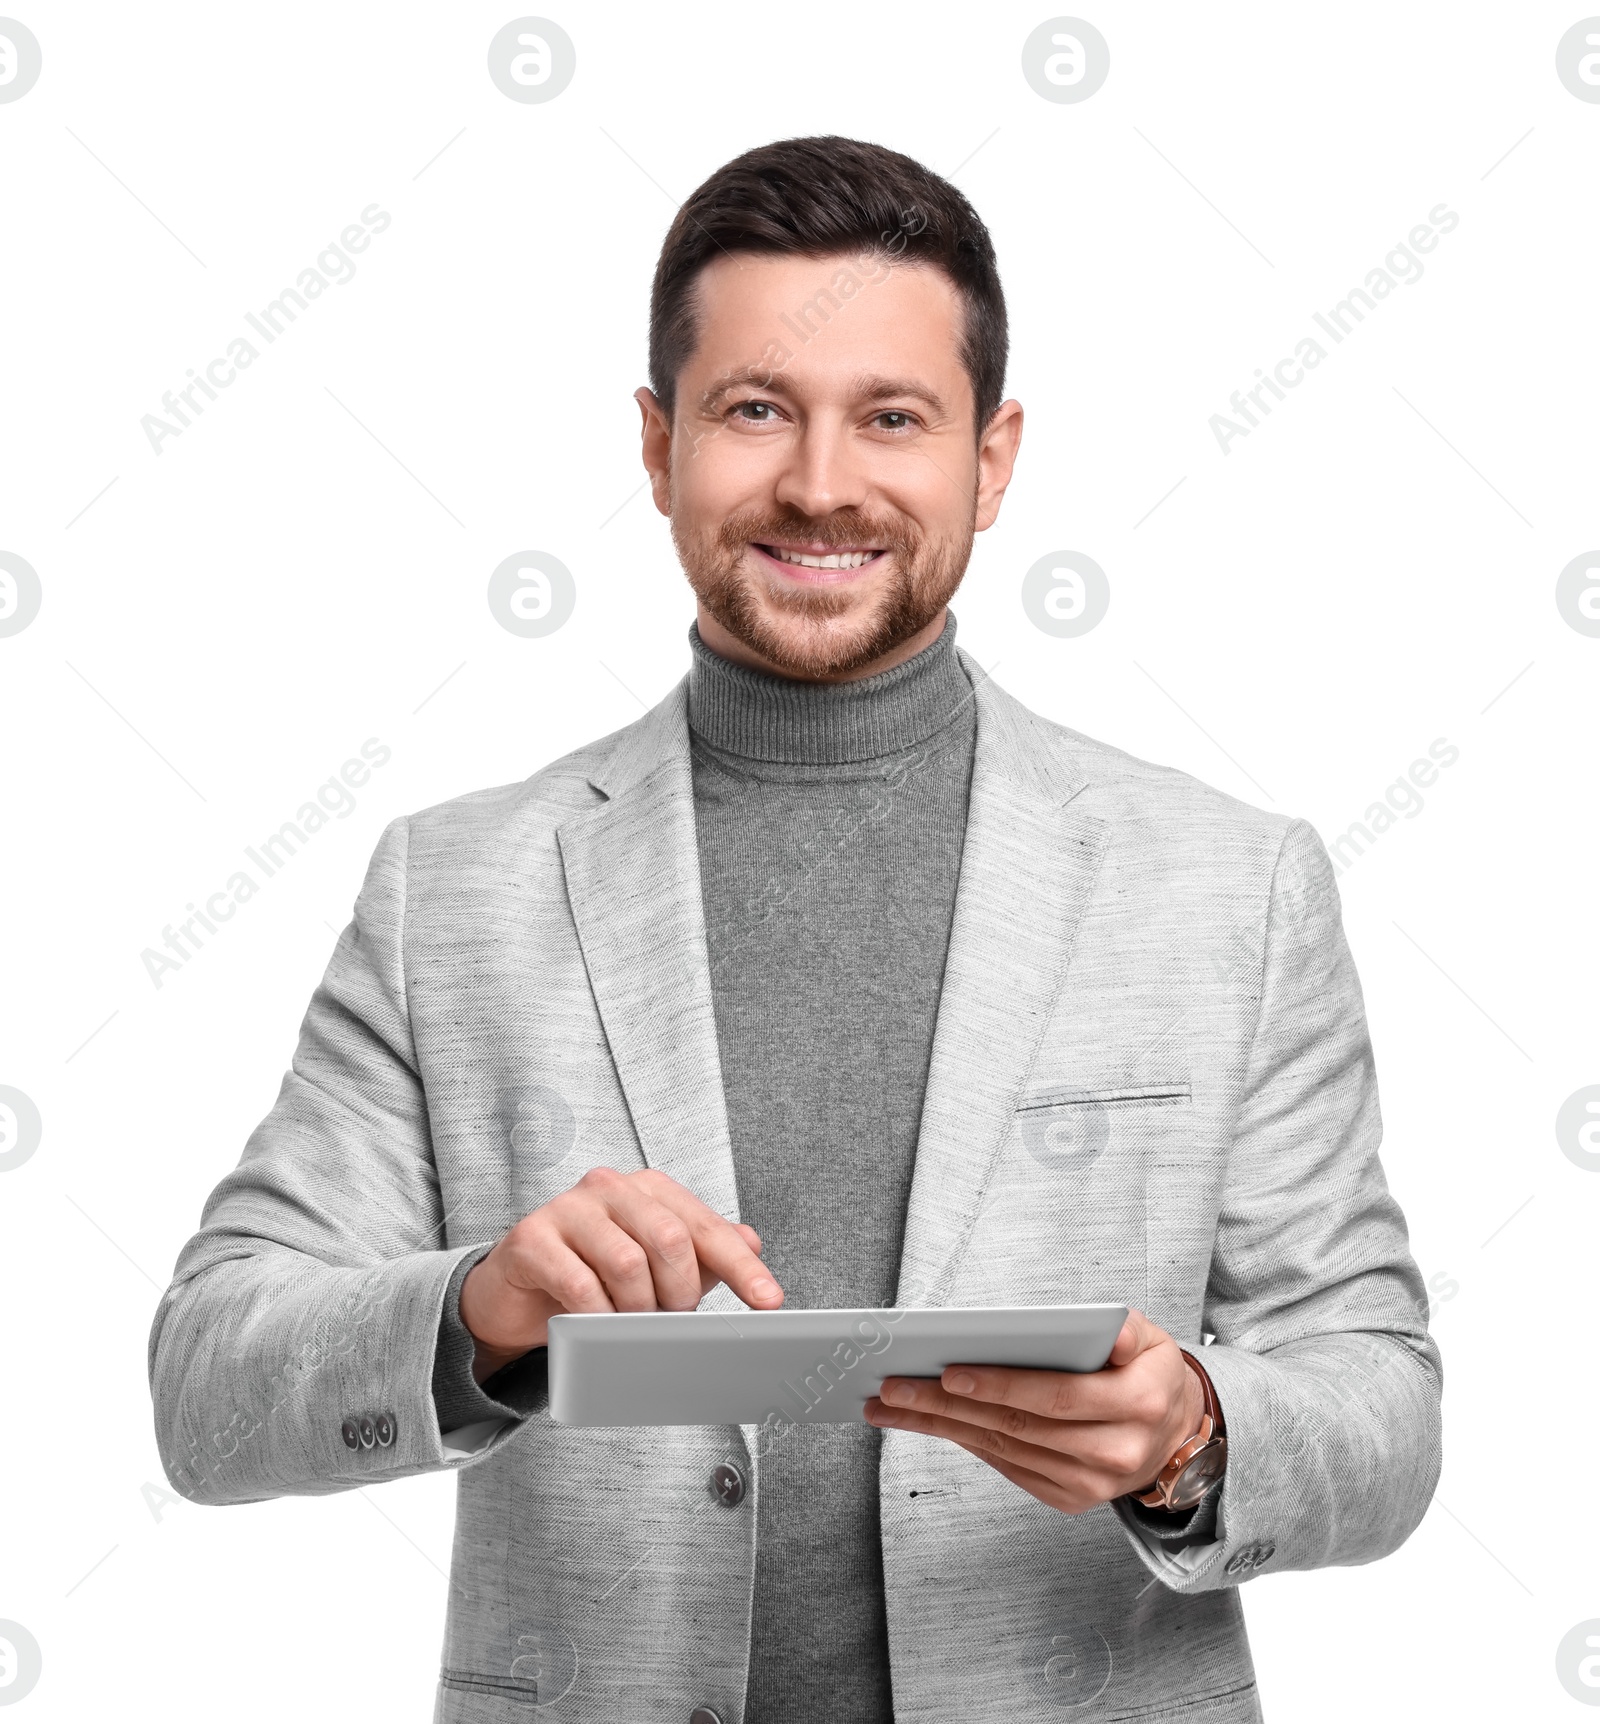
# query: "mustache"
842 527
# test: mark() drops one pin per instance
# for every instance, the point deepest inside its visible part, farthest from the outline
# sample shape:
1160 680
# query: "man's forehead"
865 320
752 283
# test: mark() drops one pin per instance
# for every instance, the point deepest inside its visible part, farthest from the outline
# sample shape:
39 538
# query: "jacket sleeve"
293 1354
1328 1380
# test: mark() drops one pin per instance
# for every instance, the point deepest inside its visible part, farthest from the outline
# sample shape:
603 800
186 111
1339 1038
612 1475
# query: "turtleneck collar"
759 716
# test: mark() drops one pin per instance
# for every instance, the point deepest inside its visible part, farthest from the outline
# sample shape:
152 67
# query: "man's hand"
1073 1440
614 1242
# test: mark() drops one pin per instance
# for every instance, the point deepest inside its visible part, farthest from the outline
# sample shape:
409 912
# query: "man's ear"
997 456
656 431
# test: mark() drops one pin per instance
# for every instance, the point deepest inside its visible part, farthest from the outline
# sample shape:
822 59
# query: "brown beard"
923 576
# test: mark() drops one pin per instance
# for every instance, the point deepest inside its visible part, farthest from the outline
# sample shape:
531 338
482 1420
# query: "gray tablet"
812 1367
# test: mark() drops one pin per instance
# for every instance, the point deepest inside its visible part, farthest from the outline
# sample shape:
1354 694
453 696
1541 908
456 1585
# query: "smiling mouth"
844 560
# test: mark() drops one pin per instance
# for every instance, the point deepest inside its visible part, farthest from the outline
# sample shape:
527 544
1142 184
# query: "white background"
305 567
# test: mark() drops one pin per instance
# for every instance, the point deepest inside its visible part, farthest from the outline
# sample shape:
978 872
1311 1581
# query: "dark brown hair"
821 197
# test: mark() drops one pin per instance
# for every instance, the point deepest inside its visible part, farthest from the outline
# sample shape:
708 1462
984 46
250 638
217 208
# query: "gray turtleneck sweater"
829 820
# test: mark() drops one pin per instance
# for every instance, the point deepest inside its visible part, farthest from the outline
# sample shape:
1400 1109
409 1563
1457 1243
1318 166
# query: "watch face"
1203 1470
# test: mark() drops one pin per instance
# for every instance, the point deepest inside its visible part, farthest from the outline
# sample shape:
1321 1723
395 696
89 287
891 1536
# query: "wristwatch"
1197 1464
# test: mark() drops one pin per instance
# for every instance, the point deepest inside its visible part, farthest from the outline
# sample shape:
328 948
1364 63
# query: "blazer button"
351 1434
383 1425
704 1715
727 1486
368 1432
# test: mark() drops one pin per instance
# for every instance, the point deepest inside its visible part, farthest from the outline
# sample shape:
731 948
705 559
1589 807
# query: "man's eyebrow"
747 376
873 388
868 387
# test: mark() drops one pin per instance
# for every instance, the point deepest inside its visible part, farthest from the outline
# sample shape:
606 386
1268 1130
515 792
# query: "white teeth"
840 560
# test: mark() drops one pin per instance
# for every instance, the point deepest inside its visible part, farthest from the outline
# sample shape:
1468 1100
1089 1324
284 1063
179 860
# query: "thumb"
1137 1335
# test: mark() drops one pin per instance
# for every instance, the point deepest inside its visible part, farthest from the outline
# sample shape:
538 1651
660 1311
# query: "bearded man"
842 979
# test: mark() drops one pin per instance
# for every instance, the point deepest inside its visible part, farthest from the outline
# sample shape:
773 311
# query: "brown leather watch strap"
1213 1406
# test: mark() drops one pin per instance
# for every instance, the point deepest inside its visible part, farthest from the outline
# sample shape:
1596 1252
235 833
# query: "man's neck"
731 647
742 711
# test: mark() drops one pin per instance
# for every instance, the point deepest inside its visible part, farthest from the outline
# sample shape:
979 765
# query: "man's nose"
825 472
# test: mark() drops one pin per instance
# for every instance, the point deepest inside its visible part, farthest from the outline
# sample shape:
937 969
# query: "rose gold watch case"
1198 1474
1197 1464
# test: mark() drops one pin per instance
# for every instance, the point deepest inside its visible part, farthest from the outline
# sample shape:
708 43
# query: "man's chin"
812 634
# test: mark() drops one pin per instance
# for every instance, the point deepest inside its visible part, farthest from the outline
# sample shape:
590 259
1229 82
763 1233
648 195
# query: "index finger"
720 1246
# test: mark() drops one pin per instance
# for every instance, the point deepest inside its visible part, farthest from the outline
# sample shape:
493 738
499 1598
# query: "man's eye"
756 412
895 420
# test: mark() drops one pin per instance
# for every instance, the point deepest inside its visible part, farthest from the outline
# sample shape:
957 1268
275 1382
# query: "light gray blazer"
1151 1083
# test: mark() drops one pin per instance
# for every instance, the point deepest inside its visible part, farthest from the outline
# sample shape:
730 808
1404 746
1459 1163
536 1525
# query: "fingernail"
962 1383
900 1393
761 1286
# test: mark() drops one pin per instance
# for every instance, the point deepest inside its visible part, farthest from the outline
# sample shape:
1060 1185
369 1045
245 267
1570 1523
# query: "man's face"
823 474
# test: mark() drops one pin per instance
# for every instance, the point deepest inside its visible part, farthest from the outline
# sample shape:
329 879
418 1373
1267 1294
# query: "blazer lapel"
633 879
1027 867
